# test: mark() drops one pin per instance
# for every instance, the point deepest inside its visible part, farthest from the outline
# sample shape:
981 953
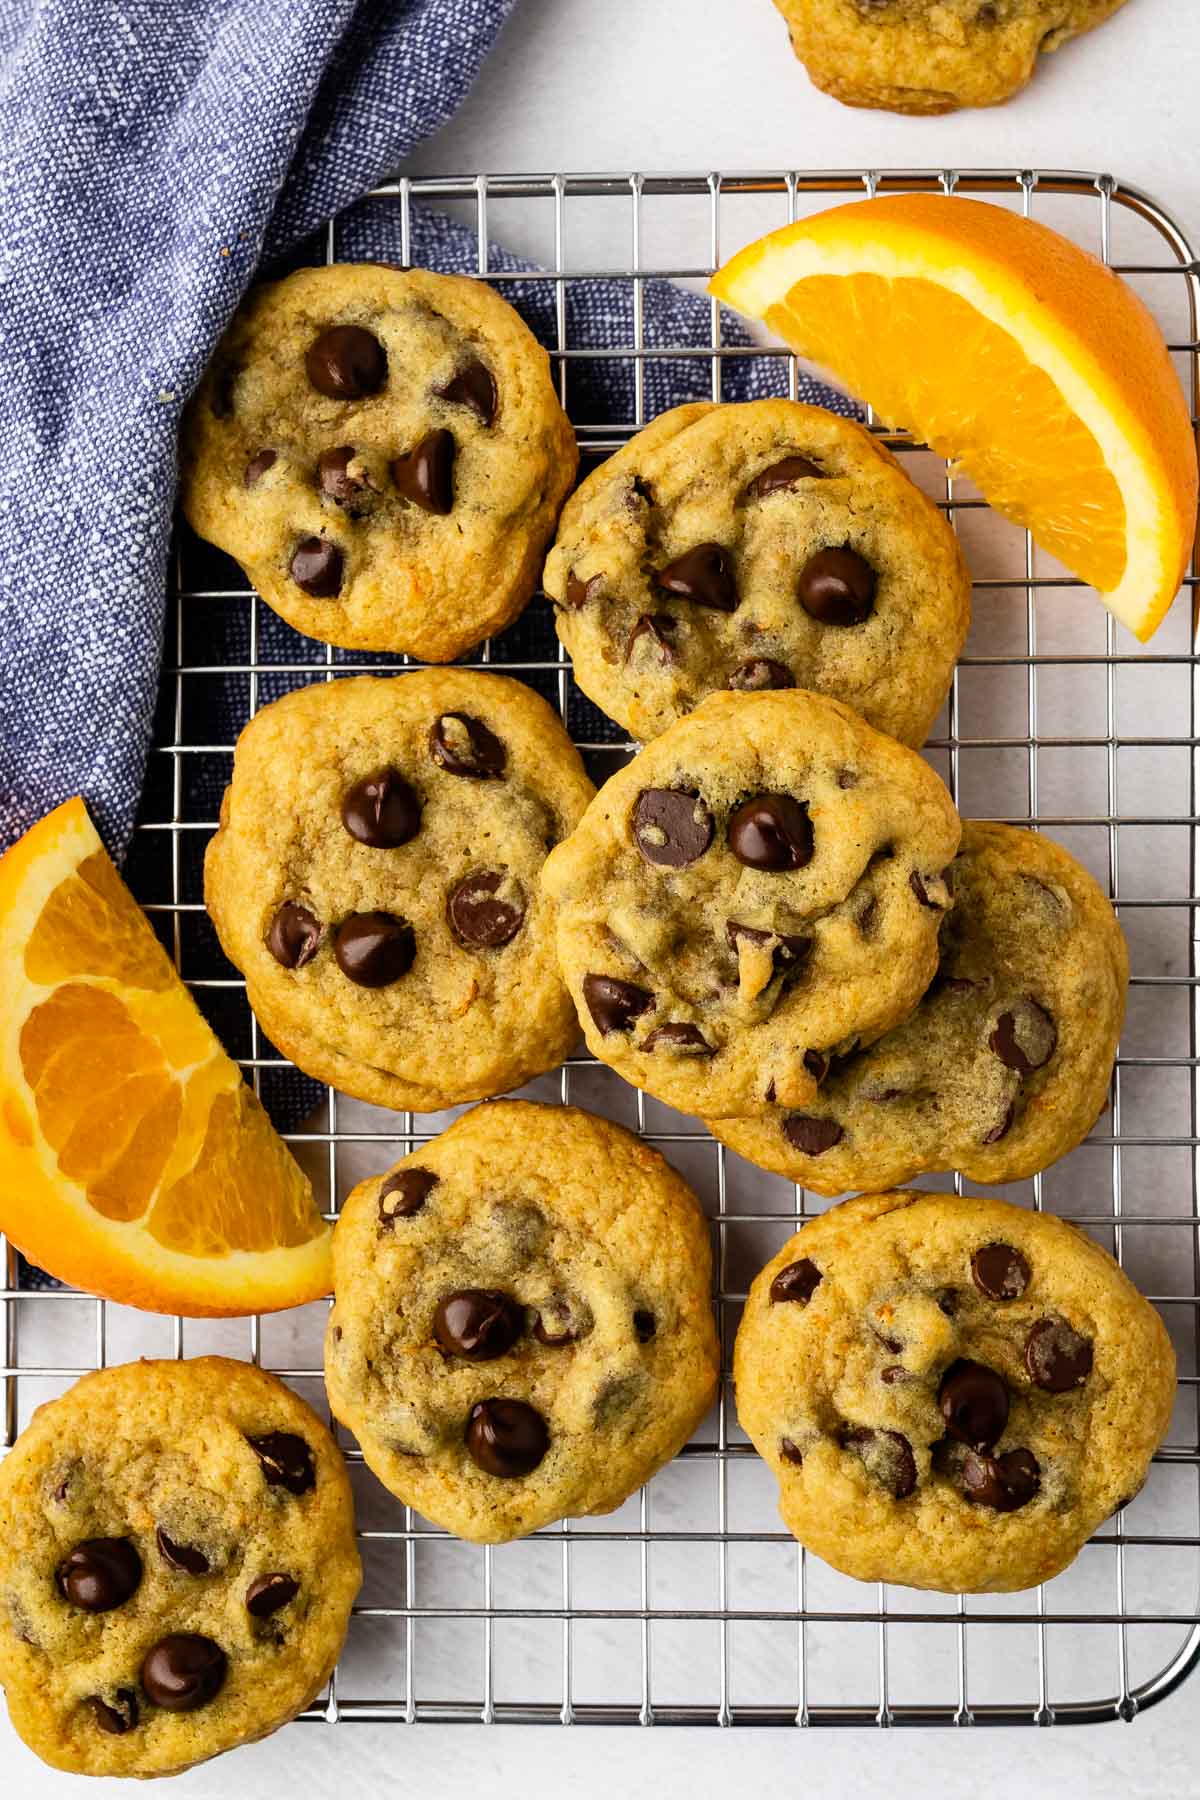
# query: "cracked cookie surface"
931 56
376 875
762 885
523 1326
758 546
952 1392
1005 1063
177 1566
383 452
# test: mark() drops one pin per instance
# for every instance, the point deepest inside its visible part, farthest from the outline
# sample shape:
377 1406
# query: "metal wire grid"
535 1630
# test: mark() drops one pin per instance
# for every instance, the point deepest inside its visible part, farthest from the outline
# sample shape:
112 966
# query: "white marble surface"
697 84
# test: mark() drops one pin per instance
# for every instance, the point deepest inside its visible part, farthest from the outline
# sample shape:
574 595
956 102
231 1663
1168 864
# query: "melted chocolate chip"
426 475
657 629
316 566
346 362
184 1671
350 492
118 1714
1001 1482
1002 1127
373 949
887 1457
758 675
644 1325
974 1403
1025 1037
286 1459
810 1135
381 810
474 385
506 1437
404 1193
1000 1272
798 1282
704 576
791 1451
672 826
836 587
269 1594
559 1322
614 1004
790 954
258 465
295 936
771 831
99 1574
687 1040
783 474
477 918
184 1557
578 593
1057 1356
463 745
890 1376
918 887
479 1324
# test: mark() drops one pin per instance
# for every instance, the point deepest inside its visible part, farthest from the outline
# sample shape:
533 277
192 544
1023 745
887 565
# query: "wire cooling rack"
691 1605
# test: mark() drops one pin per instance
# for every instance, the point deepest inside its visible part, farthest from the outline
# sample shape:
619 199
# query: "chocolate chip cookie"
177 1566
522 1327
1004 1065
384 453
931 56
953 1392
376 874
757 890
766 545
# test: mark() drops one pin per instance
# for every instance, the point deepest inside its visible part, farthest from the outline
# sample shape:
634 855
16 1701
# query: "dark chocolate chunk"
258 465
478 1323
704 576
657 629
184 1671
473 385
295 935
99 1574
118 1714
758 675
799 1281
974 1403
286 1459
836 587
676 1035
184 1557
426 474
1025 1037
673 827
404 1193
463 745
614 1004
887 1457
477 918
810 1135
373 949
1000 1272
578 593
346 362
316 567
506 1437
269 1594
1057 1356
381 810
1001 1482
783 474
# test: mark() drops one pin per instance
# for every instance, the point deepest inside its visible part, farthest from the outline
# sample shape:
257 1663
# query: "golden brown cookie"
177 1566
766 545
953 1392
384 453
523 1328
1004 1065
376 879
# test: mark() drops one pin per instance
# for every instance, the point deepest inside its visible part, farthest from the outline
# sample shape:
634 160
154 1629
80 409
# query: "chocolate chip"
758 675
657 629
404 1193
258 465
644 1325
816 1064
1025 1037
346 362
1002 1128
506 1437
286 1459
475 386
1057 1356
887 1457
783 474
811 1136
890 1376
947 1301
578 593
836 587
426 475
373 949
99 1574
641 490
847 778
269 1594
559 1322
477 918
381 810
463 745
676 1035
351 492
184 1671
294 936
1000 1272
118 1715
789 955
673 827
922 893
799 1281
791 1451
613 1004
1001 1482
316 567
478 1323
703 575
974 1403
184 1557
220 400
771 831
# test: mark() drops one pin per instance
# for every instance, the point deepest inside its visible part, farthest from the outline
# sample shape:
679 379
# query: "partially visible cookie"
953 1392
757 890
522 1328
1004 1065
765 545
931 56
376 879
384 453
177 1566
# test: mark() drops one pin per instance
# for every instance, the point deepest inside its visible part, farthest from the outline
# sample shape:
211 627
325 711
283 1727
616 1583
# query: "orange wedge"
134 1160
1020 358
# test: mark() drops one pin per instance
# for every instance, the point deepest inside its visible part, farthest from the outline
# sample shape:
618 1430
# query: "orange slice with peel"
134 1160
1020 358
